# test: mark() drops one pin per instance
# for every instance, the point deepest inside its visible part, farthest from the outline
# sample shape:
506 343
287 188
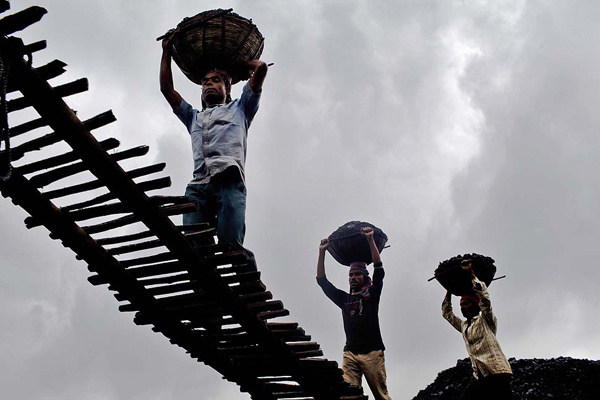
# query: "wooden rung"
35 47
125 238
120 208
304 346
51 70
193 227
46 72
254 297
27 126
178 302
277 379
68 89
243 277
272 314
236 269
62 159
46 178
21 20
282 326
212 322
83 187
290 339
151 244
272 305
148 260
146 186
51 138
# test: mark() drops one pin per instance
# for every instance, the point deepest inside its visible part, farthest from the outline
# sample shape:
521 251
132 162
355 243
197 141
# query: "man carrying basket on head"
218 133
491 370
364 349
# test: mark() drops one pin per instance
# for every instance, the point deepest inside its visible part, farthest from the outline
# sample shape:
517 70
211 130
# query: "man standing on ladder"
218 133
364 349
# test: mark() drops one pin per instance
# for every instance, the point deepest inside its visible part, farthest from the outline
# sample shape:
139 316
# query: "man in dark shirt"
363 352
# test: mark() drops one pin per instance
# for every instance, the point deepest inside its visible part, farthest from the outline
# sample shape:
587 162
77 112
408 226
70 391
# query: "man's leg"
351 369
200 195
473 390
498 387
231 211
373 366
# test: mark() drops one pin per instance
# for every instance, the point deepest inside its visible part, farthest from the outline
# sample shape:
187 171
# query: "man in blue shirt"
218 132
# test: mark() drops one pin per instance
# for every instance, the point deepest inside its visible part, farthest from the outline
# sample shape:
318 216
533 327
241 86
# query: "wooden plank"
68 89
141 235
131 219
120 208
265 315
193 285
145 186
49 177
49 71
55 137
21 20
35 47
208 249
243 277
27 126
62 159
84 187
282 326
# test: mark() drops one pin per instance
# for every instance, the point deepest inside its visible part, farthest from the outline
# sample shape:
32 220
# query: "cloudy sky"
454 125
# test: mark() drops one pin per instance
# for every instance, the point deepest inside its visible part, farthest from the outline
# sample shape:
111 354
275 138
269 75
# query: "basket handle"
202 21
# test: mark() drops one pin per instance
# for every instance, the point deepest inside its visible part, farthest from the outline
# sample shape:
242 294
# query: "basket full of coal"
457 280
347 245
561 378
216 39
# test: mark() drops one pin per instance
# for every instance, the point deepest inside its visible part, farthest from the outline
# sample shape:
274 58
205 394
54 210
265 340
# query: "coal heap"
561 378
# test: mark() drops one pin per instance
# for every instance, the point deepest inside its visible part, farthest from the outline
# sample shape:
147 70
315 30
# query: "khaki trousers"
372 365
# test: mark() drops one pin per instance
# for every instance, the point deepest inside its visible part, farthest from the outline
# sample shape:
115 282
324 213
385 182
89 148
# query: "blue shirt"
219 134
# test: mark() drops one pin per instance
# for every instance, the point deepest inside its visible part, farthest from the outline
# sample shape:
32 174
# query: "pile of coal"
347 245
561 378
452 277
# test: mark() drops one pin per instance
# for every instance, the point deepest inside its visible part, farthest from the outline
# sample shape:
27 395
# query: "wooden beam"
21 20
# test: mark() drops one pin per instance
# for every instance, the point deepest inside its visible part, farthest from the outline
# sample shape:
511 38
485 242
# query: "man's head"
469 305
216 88
358 276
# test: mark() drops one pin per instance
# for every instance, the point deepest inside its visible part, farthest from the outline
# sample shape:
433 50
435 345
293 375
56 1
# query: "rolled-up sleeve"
185 113
249 102
485 304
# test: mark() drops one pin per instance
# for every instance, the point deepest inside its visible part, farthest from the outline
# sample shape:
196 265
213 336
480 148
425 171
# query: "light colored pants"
372 365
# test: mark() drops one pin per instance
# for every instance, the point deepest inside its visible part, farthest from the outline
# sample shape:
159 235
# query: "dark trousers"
491 387
221 202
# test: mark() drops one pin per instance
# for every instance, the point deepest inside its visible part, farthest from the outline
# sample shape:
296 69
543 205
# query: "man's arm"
166 76
368 233
336 295
378 272
448 314
258 72
321 260
485 303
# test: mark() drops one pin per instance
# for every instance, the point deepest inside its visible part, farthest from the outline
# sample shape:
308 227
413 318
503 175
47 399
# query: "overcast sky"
456 126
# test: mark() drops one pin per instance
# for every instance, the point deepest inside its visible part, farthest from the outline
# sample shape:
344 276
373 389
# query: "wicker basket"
347 244
457 280
216 39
